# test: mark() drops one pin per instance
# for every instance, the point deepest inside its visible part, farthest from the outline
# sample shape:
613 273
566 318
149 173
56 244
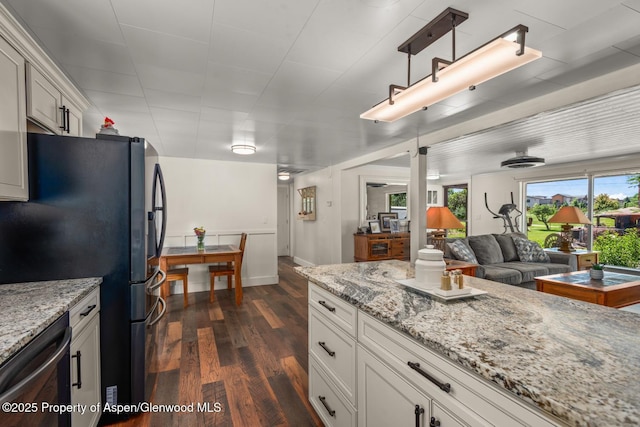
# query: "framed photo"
394 225
384 218
375 226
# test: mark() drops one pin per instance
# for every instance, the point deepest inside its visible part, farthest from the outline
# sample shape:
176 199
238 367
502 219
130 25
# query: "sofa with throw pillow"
508 258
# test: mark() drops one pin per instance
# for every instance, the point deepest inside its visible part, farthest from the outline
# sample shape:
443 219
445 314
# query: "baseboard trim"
303 262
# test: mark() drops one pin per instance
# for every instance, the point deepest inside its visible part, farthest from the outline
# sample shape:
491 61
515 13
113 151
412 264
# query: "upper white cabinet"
13 125
49 107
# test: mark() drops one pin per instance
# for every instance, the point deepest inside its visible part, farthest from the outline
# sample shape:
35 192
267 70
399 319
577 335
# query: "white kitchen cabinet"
332 358
13 126
398 380
49 107
84 319
386 399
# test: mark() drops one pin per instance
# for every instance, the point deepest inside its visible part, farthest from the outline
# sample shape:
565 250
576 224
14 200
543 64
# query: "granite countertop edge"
27 309
528 393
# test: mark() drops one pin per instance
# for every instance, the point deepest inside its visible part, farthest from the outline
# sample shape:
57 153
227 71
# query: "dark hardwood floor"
250 361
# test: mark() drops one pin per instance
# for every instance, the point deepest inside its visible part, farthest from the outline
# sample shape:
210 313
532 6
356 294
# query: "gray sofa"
499 258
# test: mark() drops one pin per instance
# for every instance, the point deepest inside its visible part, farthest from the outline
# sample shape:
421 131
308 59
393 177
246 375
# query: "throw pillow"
486 248
462 252
529 251
509 251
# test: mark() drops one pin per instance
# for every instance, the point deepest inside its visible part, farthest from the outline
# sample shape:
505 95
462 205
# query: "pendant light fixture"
500 55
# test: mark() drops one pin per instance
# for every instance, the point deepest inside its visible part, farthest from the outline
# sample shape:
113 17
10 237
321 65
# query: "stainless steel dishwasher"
35 382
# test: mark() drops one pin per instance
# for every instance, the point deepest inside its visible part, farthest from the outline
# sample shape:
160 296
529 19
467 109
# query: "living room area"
585 139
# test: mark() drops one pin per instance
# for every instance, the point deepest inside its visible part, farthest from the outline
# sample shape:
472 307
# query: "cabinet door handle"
419 411
328 307
434 422
326 406
67 121
442 386
77 356
63 117
329 352
88 310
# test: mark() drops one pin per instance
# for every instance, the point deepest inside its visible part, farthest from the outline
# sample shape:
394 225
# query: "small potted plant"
597 271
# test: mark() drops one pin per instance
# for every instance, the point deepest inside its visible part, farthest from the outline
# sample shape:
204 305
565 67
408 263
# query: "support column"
418 202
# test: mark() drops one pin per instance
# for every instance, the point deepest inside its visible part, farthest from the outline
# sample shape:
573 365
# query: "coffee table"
614 290
467 268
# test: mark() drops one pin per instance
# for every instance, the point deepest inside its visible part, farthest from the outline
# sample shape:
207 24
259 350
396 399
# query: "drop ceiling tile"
222 115
221 78
77 17
104 81
160 115
190 19
593 35
278 19
174 101
106 101
171 80
69 49
566 14
165 50
247 49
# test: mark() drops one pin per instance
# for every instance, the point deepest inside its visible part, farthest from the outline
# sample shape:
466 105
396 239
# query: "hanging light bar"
497 57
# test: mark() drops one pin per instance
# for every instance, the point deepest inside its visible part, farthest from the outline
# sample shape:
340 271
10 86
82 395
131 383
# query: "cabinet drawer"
335 352
473 399
338 311
82 312
333 409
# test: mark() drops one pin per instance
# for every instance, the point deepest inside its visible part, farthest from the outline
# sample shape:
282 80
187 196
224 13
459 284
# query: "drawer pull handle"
442 386
419 411
326 406
329 352
434 422
88 310
328 307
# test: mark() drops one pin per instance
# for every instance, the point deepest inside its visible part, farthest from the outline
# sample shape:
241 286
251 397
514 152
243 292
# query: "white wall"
226 198
317 242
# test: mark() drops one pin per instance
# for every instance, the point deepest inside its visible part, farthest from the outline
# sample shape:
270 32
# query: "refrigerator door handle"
162 312
158 180
155 286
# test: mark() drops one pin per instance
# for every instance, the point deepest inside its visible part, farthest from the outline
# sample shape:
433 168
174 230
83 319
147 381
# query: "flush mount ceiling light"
522 160
503 54
283 176
243 149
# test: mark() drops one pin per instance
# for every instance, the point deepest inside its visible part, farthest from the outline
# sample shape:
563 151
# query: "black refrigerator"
96 208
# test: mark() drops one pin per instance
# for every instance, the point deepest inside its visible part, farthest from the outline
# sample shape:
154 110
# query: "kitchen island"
573 362
26 309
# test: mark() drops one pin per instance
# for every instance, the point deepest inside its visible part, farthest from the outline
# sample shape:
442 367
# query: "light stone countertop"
26 309
575 360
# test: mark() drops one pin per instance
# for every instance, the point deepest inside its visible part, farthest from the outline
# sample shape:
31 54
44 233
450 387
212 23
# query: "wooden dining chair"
227 269
182 274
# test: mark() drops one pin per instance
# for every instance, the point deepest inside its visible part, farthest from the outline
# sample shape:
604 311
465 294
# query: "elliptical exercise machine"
504 213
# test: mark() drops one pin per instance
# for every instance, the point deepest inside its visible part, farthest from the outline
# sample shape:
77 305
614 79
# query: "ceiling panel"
293 76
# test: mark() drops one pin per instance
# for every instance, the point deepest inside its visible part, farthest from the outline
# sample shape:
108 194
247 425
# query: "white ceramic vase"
596 274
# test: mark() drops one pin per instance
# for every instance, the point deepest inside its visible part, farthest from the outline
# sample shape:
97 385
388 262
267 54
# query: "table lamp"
441 219
566 216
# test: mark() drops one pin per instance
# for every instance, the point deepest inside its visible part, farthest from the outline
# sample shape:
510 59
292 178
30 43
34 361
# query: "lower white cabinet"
85 359
385 399
364 372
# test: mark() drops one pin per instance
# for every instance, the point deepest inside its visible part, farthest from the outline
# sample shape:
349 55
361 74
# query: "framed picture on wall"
384 218
374 225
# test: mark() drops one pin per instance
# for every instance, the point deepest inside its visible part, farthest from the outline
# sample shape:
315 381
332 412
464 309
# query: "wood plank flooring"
250 360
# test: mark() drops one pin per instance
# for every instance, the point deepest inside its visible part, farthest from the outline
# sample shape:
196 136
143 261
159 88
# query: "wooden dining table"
211 254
